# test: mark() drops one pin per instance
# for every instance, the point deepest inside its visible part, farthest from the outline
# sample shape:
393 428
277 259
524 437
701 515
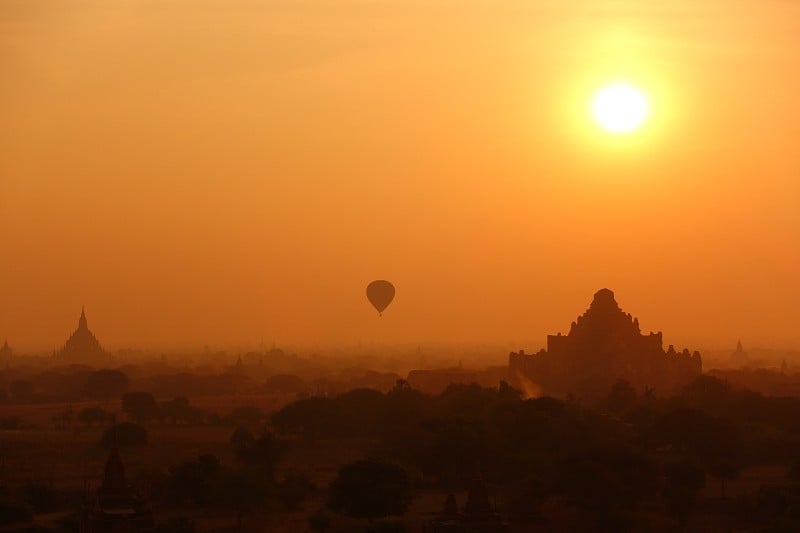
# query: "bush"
387 526
370 489
242 438
295 489
193 481
127 434
246 416
106 384
95 415
284 384
70 522
264 452
21 391
38 496
319 521
13 512
140 406
180 524
11 422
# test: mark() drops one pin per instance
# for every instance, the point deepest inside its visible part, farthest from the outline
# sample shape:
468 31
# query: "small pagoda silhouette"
5 351
116 506
479 513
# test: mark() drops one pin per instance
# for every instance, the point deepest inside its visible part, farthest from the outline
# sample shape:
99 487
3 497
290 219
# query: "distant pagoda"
604 345
479 513
5 351
740 357
116 506
82 346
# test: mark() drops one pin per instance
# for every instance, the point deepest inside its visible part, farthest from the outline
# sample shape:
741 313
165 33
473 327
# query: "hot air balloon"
380 294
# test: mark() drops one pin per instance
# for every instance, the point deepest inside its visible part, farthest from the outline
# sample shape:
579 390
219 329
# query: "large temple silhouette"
82 346
603 346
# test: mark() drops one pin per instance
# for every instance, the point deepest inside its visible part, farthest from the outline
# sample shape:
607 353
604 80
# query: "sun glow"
620 108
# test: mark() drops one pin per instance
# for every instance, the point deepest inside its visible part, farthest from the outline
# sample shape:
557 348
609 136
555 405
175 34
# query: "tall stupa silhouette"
6 352
82 346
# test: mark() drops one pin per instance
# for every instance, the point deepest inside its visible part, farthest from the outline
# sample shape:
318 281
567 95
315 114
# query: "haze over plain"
221 172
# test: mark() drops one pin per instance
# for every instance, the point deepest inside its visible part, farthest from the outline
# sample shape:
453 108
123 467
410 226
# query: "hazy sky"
225 171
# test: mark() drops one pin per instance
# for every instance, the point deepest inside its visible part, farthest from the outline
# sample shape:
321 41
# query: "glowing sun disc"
620 108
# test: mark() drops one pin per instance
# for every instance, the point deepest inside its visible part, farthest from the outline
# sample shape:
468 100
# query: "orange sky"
200 171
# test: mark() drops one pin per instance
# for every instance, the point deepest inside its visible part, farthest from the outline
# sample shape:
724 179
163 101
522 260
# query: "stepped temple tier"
603 346
82 346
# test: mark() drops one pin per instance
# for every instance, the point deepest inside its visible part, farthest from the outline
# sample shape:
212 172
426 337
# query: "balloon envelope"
380 294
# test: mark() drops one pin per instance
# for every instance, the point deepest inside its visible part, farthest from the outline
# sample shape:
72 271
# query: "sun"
620 108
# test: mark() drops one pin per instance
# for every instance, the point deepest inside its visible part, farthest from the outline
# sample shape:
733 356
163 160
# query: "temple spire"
82 345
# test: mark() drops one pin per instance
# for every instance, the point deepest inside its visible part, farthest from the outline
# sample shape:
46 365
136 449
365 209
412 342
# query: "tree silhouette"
622 396
294 489
94 415
319 521
12 512
194 481
310 418
649 394
242 490
179 524
605 482
683 481
724 471
242 438
247 415
794 472
370 489
177 410
126 434
264 453
284 384
21 390
41 497
140 406
387 526
106 384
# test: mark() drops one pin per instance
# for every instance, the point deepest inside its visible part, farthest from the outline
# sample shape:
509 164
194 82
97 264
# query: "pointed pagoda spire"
739 347
82 345
114 475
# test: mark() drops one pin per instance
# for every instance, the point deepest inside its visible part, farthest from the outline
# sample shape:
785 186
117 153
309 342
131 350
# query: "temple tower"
82 346
604 345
